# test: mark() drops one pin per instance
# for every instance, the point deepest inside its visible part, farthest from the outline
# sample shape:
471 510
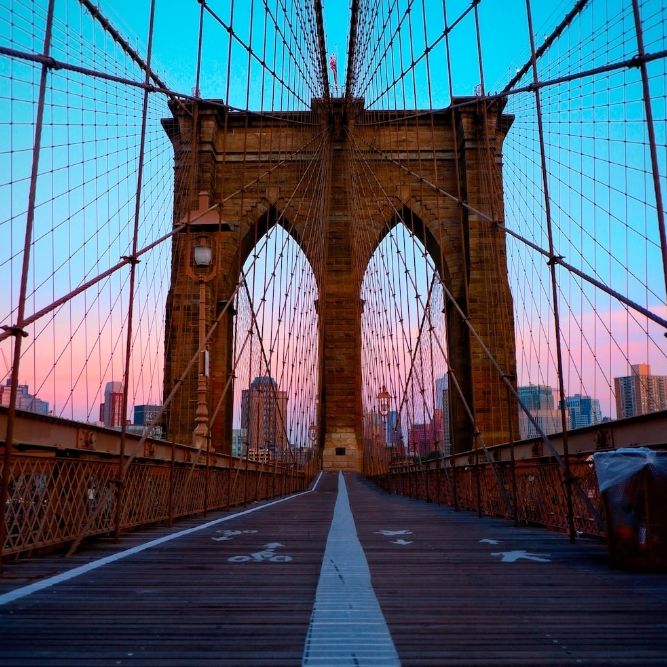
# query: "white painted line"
24 591
347 626
513 556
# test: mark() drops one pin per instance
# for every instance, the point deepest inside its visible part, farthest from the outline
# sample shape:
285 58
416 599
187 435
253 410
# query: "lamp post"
312 436
202 259
384 400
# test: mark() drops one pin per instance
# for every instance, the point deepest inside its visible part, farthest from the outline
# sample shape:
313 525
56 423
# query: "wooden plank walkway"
239 590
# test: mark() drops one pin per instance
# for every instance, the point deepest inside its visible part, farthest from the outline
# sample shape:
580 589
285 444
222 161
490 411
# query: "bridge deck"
239 589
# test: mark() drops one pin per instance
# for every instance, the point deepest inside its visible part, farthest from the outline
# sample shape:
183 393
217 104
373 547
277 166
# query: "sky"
595 142
176 33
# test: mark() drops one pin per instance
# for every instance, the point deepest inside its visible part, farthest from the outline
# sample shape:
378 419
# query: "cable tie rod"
51 63
636 61
14 330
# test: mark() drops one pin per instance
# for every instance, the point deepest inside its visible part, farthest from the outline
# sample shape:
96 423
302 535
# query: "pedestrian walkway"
307 581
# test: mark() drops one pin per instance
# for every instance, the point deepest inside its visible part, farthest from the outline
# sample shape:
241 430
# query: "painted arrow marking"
489 541
402 542
230 534
391 533
513 556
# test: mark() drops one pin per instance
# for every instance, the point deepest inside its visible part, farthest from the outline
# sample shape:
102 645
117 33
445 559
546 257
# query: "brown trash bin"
633 484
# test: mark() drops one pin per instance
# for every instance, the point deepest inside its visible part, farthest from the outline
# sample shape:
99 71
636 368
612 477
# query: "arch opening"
262 227
419 229
275 349
405 374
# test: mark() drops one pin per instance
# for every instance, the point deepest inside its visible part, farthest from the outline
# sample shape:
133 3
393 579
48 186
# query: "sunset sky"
596 145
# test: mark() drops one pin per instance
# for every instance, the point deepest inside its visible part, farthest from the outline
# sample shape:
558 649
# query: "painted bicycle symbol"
267 554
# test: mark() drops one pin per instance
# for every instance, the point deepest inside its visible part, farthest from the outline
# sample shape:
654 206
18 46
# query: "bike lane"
237 592
459 590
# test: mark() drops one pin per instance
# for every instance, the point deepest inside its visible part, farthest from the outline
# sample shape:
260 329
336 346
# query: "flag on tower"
333 66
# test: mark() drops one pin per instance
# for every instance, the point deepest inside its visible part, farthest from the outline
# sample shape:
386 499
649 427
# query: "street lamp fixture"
384 399
312 433
203 255
202 259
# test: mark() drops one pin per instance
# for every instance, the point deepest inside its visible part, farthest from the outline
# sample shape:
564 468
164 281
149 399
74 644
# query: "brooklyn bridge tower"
239 173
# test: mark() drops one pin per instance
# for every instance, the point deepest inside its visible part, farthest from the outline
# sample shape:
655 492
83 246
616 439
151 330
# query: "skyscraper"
24 399
537 397
111 411
640 392
145 414
394 434
539 400
264 415
442 404
583 411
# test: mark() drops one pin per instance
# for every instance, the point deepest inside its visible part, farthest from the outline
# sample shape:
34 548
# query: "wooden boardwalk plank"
449 601
446 598
184 602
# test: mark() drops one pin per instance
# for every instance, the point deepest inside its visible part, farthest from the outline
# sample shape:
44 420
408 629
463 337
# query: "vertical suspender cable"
554 284
133 269
650 128
17 330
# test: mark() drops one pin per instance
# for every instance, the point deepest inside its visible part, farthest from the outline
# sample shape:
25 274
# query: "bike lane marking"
24 591
347 625
267 554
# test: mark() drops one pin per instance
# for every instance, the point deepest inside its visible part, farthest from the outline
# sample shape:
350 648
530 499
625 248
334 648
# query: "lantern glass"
384 399
203 255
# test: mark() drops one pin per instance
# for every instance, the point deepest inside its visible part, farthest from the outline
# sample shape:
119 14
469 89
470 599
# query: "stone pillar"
182 313
490 306
340 317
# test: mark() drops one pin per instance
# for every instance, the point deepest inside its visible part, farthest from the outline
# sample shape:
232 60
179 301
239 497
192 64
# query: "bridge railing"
59 495
529 492
518 482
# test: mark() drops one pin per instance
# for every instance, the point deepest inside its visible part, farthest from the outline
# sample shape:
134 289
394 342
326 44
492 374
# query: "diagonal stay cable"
502 375
556 259
165 237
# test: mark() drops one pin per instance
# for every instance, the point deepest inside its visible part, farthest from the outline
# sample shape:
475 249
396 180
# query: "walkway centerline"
347 626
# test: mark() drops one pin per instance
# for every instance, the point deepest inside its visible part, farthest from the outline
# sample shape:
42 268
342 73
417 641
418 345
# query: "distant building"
423 439
419 439
442 402
549 421
539 400
264 415
640 392
111 411
144 415
583 411
537 397
24 399
238 441
373 427
394 434
261 455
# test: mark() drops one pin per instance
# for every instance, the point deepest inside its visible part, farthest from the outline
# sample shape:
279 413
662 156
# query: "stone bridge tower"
458 149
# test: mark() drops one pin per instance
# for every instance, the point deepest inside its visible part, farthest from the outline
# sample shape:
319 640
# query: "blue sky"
175 41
